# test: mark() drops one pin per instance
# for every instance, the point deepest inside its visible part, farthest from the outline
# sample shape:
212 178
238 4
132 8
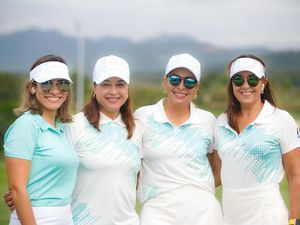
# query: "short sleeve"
212 124
289 133
220 120
138 135
72 129
21 138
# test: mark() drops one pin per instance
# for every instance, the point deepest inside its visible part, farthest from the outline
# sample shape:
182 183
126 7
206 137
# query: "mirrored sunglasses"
62 85
238 80
188 82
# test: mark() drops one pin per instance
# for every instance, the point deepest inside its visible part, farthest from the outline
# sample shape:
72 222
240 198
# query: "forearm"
294 195
23 206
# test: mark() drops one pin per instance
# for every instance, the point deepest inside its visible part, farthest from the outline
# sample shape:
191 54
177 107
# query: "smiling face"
111 94
246 94
179 95
50 101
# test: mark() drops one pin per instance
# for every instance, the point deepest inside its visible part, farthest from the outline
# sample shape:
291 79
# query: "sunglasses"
188 82
238 80
62 85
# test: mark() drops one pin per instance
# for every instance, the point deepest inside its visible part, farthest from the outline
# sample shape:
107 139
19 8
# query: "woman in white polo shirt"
41 164
104 137
176 183
256 142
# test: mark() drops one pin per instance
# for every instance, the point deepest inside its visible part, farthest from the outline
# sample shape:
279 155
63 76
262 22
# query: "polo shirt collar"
161 117
262 118
45 125
265 113
105 120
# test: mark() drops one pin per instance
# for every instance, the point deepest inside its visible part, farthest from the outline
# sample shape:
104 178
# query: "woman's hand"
9 201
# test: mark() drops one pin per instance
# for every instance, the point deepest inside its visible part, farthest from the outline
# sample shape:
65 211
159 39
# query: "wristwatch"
294 222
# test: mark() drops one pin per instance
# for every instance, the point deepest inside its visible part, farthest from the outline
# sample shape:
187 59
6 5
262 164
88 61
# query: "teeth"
180 94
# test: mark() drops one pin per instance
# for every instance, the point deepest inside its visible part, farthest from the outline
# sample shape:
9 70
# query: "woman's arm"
291 162
215 163
18 171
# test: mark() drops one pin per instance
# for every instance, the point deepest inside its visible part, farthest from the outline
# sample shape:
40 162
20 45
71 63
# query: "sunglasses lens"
253 80
238 80
63 85
46 86
174 80
190 83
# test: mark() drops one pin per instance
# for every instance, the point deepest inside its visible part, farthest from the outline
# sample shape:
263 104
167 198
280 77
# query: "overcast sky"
226 23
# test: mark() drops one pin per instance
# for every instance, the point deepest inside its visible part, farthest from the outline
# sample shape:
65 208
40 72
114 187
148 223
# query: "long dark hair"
91 110
30 102
233 105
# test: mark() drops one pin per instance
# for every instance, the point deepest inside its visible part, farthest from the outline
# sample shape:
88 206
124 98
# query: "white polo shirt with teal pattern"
54 163
105 191
253 158
174 156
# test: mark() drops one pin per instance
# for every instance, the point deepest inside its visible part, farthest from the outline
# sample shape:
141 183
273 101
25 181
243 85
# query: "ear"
32 90
264 83
198 86
164 82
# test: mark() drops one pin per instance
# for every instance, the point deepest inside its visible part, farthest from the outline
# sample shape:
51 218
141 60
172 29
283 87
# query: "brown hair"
29 101
91 110
233 105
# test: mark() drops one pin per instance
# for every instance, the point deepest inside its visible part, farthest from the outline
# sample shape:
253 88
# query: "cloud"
230 23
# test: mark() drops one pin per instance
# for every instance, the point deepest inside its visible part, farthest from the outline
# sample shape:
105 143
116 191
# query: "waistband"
251 193
50 211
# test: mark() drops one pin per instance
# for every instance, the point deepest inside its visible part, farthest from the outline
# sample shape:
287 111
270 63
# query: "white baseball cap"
184 61
48 71
111 66
247 64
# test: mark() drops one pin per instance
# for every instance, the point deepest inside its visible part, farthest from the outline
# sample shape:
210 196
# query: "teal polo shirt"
54 162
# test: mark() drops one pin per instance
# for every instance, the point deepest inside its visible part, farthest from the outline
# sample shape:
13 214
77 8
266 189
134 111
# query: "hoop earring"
165 93
32 91
94 96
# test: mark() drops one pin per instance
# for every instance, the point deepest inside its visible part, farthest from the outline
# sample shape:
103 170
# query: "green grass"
4 212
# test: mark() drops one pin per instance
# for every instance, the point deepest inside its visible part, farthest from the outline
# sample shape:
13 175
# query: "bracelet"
294 222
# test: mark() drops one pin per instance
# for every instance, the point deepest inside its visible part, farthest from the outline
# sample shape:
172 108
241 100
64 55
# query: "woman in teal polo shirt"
41 164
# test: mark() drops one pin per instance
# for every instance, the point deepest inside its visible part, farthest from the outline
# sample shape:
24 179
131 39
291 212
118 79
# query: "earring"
195 96
32 91
165 93
262 90
94 95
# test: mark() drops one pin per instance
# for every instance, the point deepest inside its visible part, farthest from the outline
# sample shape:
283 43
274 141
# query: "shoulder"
144 111
282 117
27 125
204 115
27 120
77 121
222 118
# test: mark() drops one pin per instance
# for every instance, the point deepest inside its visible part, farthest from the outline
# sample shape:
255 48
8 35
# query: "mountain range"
18 50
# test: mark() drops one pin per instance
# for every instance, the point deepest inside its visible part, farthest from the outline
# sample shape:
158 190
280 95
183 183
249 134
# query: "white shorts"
60 215
187 205
259 206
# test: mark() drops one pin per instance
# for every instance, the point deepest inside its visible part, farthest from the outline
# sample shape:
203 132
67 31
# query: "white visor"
49 71
111 66
247 64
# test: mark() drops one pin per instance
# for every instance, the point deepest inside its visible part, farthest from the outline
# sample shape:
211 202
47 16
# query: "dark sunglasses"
188 82
62 85
238 80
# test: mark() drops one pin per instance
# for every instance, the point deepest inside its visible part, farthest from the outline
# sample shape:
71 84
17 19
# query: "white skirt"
187 205
259 206
60 215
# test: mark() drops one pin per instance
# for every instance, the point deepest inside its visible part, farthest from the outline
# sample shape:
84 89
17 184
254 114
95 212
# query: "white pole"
80 69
